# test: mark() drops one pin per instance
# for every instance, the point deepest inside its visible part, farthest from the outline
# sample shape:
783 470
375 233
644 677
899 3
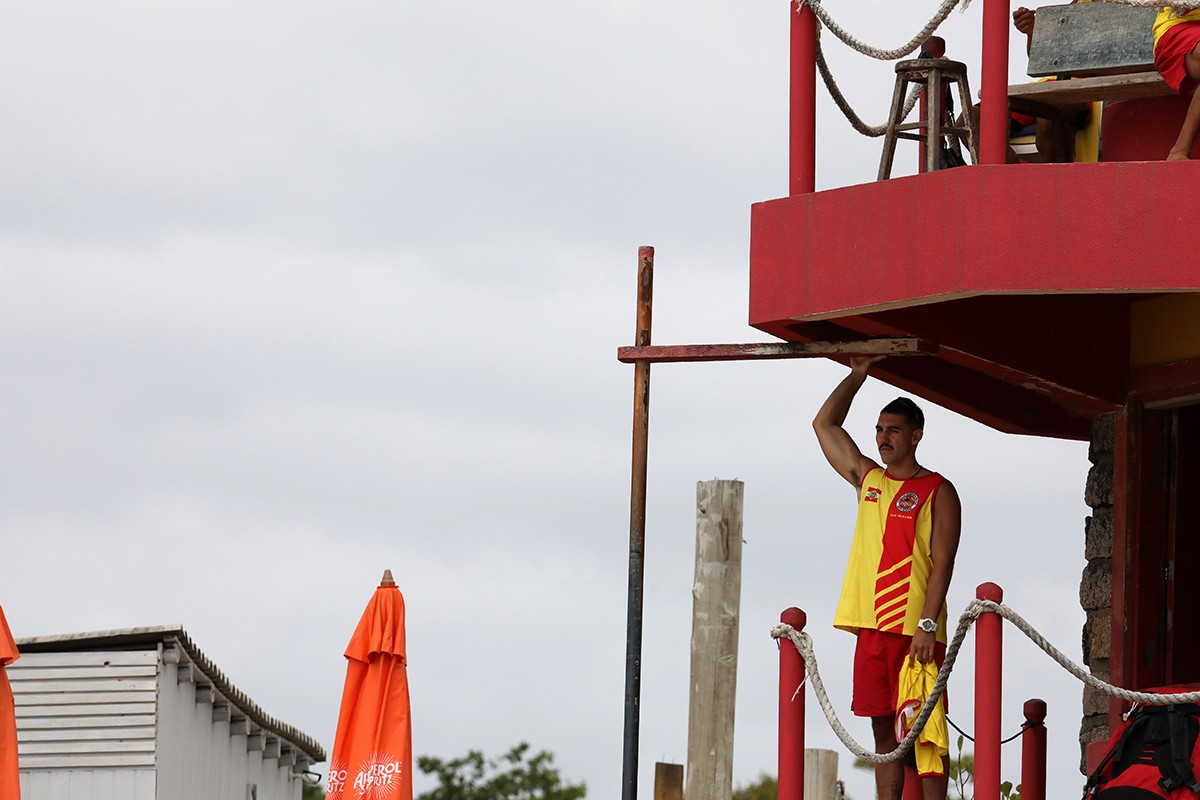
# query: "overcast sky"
296 292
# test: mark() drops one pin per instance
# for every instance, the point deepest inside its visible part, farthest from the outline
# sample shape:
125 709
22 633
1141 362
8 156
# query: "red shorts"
1173 46
878 659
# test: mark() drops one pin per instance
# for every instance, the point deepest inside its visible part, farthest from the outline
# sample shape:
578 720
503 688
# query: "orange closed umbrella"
10 780
372 751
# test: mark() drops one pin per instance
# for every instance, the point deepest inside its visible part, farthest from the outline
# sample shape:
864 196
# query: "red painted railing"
988 673
993 111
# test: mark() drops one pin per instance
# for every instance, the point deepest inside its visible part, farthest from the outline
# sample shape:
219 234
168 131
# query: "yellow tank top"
1168 18
890 557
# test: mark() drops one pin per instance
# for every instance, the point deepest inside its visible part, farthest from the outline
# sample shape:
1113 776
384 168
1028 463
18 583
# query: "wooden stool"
935 74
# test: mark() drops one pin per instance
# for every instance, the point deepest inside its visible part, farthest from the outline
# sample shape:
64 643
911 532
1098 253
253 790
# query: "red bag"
1151 756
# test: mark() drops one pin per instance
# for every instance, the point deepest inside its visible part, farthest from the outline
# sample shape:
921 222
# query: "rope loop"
976 608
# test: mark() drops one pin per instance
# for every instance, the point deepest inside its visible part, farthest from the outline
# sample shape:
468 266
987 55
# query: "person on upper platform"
1055 138
1177 59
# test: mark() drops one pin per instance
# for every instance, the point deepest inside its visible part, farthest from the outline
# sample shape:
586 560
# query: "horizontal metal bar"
772 350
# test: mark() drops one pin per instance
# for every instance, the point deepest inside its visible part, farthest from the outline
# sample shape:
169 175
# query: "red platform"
1006 268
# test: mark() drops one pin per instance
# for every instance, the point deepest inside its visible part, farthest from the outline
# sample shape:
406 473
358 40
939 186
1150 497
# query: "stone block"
1095 589
1098 636
1094 702
1098 535
1094 728
1100 449
1099 490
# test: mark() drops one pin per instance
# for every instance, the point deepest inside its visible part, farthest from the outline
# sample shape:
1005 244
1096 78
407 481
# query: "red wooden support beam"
802 147
993 95
988 671
791 711
773 350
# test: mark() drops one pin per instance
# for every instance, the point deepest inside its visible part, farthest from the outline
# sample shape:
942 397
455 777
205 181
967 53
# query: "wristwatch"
927 625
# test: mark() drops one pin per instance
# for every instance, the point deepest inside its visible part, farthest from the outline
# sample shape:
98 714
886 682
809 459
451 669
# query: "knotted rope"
973 611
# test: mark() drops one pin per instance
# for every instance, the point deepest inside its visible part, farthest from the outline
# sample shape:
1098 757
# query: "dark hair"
904 407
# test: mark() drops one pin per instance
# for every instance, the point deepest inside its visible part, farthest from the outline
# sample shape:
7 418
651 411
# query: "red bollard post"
802 119
791 711
1033 751
988 671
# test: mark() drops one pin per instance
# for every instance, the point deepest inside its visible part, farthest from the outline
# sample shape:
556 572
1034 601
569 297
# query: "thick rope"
1186 5
840 100
973 611
879 53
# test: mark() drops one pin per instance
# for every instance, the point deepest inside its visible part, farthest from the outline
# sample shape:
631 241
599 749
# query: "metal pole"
988 650
802 148
637 526
1033 751
791 711
993 110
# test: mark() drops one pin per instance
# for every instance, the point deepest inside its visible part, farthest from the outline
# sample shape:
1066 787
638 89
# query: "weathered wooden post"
716 598
820 774
668 781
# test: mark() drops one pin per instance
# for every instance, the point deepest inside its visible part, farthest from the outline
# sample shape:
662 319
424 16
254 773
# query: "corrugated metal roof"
138 638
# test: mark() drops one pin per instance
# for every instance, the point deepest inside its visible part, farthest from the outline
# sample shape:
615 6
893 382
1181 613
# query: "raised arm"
1023 20
840 450
947 528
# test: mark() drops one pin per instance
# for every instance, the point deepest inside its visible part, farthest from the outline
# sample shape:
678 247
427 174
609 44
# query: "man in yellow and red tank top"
901 560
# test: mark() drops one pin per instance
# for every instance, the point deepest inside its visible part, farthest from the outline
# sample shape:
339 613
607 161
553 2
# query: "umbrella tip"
387 578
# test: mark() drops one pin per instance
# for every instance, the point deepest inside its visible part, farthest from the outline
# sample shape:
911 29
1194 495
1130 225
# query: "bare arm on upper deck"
839 449
947 528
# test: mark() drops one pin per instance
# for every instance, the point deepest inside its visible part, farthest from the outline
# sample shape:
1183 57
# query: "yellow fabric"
1168 18
884 587
933 742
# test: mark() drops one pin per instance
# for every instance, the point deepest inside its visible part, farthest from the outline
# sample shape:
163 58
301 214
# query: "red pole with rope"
802 146
993 110
1033 751
791 711
988 671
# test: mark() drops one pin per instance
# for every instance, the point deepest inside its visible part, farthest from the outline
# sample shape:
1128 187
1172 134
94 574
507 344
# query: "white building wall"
145 724
209 751
85 724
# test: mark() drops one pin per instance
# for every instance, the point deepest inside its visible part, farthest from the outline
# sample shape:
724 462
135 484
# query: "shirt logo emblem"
872 495
907 502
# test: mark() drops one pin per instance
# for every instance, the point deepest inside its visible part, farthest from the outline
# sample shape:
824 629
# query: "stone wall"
1095 589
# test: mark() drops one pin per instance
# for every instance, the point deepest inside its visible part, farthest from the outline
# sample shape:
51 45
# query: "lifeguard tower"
1058 300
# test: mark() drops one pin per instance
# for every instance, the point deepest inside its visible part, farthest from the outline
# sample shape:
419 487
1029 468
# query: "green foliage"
962 774
765 788
509 777
312 791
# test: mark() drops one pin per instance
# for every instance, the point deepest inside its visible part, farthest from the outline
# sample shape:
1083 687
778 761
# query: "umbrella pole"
637 527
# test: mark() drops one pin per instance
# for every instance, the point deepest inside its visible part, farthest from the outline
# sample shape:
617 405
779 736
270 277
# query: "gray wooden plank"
116 658
43 673
109 720
70 699
1089 90
1092 39
58 761
84 734
79 686
89 747
85 709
